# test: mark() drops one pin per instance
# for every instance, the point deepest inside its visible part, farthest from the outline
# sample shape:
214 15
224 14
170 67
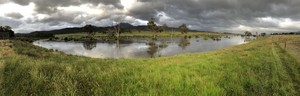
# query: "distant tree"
159 29
110 32
263 34
152 26
183 28
7 29
90 29
247 33
165 27
116 30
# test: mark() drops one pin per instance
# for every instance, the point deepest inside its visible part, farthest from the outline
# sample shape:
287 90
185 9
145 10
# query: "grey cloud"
14 15
49 6
10 22
211 15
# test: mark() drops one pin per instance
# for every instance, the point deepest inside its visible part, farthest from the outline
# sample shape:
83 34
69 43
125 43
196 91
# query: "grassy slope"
258 68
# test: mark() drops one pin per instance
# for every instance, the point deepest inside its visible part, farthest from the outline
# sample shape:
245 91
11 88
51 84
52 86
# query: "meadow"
262 67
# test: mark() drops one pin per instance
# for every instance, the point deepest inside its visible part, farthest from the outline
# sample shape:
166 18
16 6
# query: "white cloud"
128 4
290 24
27 11
87 9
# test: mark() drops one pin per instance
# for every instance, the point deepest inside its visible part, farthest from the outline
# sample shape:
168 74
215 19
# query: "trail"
281 57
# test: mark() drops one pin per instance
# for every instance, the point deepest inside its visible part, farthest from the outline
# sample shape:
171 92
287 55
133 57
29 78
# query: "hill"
126 27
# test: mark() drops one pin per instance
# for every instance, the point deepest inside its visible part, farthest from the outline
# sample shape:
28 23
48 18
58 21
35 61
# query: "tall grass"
258 68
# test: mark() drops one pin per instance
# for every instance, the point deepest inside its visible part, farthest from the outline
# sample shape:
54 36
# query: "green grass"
261 67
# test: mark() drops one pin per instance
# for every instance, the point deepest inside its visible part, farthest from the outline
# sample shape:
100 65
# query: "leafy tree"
151 25
7 29
90 29
263 34
183 28
247 33
159 29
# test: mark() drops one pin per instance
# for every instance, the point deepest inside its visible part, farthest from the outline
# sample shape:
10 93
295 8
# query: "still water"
142 47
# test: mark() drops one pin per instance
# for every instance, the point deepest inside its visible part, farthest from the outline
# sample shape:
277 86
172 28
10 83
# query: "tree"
183 28
90 29
263 34
165 27
152 26
247 33
159 29
7 29
115 31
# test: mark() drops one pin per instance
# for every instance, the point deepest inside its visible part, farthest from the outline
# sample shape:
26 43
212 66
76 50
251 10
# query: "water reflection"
89 45
184 42
152 49
248 38
141 47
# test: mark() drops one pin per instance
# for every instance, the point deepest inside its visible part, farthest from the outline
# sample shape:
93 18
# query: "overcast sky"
234 16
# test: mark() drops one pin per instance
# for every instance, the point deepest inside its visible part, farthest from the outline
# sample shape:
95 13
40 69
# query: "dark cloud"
211 15
49 6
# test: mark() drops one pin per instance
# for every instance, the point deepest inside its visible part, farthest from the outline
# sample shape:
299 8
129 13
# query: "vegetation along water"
266 66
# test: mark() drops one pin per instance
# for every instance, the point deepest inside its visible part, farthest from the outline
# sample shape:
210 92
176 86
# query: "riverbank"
81 36
262 67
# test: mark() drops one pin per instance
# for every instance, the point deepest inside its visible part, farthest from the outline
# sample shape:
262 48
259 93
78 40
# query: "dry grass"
291 43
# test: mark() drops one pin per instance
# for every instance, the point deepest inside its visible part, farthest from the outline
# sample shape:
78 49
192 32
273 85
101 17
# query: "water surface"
141 47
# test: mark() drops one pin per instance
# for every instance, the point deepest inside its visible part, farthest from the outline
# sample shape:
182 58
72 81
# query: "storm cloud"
234 16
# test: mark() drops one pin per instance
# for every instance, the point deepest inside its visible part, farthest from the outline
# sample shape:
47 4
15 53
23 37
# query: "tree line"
115 31
155 28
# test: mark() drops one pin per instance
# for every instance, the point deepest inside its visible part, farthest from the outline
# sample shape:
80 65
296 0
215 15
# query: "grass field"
262 67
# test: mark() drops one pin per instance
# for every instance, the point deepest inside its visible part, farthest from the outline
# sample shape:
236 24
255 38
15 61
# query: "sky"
235 16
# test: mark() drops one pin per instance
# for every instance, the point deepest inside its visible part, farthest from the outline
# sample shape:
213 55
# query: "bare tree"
116 30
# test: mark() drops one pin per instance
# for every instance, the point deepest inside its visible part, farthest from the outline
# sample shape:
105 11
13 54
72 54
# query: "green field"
261 67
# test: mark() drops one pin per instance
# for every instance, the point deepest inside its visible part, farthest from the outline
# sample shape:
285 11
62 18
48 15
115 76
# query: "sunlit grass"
261 67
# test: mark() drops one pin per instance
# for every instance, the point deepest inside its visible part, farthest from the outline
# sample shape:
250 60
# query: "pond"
142 47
